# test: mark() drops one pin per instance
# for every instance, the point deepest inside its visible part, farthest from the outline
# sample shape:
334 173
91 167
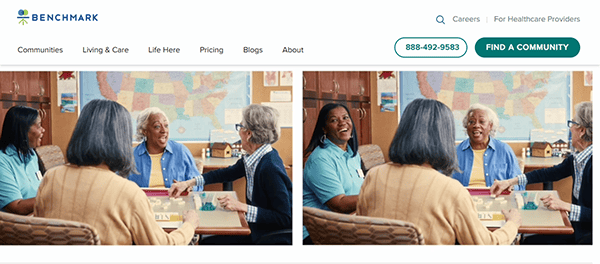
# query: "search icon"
440 19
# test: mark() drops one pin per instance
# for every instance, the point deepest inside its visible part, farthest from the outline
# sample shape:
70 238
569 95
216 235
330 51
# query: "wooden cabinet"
351 89
28 89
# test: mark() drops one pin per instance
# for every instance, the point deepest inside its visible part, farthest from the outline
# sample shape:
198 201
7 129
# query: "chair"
29 230
370 156
49 156
330 228
199 164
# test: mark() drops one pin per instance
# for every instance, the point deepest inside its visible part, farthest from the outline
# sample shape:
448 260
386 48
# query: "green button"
527 47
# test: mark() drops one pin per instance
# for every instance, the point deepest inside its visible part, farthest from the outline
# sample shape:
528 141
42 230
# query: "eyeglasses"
570 123
239 126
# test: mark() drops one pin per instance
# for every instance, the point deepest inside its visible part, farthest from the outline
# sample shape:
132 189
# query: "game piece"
500 199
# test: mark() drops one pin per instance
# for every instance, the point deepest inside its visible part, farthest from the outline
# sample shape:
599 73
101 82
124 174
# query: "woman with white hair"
268 206
482 159
160 161
579 167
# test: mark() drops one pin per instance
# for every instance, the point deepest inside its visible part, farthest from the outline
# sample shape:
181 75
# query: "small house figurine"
221 150
541 149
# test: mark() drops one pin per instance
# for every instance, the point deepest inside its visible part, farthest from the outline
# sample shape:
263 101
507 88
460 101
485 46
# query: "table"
540 221
536 163
217 222
213 163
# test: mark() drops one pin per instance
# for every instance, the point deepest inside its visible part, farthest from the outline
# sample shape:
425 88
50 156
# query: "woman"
578 166
268 187
92 188
20 174
332 173
482 158
160 161
412 189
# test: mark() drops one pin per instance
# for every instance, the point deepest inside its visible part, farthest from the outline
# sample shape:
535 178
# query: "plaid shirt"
250 162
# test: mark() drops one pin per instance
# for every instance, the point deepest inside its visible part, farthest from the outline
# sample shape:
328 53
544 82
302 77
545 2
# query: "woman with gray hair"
578 166
268 187
482 159
159 160
415 186
92 189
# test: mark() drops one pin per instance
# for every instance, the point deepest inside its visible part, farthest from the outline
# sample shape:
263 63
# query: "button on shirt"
18 180
177 163
499 163
329 172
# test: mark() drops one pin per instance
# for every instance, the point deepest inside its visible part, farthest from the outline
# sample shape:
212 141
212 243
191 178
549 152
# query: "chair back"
49 156
330 228
370 156
29 230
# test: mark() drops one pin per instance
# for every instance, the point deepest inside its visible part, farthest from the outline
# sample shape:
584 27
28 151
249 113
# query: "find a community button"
527 47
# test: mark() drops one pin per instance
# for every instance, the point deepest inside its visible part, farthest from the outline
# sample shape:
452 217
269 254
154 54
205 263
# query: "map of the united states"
519 98
194 102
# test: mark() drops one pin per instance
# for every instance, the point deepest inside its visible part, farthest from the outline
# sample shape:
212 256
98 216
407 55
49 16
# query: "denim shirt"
499 163
177 163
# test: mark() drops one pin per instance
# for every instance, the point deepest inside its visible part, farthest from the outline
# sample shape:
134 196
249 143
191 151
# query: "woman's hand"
554 203
499 186
192 217
513 215
232 204
178 187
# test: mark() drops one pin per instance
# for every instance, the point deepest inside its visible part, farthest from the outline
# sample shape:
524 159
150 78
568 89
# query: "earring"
323 139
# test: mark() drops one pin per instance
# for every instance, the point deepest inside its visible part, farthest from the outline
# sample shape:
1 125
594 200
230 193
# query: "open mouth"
343 130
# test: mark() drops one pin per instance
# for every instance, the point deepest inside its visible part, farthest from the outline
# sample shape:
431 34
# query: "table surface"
217 163
539 221
542 162
217 222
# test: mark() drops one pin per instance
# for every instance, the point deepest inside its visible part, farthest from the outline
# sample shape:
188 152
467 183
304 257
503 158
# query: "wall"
63 125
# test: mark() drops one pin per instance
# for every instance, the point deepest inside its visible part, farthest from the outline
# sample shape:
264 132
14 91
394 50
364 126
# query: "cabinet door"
327 85
310 85
310 114
365 124
21 79
364 83
341 80
4 106
39 87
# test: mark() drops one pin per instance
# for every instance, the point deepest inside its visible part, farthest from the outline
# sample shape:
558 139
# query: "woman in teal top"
332 174
19 171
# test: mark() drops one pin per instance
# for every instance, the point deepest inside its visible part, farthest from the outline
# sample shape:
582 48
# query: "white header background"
336 35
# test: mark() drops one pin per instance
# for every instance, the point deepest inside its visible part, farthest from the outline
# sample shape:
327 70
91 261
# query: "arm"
275 205
20 206
513 168
191 170
321 176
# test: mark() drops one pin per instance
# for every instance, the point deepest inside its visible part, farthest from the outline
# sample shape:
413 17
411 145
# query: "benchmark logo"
23 16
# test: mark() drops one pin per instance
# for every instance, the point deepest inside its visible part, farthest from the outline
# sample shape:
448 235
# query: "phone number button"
430 47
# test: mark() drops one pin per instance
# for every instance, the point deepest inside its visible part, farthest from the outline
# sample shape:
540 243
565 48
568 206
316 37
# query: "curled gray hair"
583 117
142 121
263 121
490 114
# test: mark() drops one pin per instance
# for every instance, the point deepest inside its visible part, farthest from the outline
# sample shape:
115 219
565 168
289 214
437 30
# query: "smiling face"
157 133
478 129
35 134
338 127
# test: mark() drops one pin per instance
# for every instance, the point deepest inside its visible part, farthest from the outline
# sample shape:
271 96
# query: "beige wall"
63 125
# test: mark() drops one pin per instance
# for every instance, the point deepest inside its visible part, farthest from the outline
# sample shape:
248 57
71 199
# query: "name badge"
38 174
360 173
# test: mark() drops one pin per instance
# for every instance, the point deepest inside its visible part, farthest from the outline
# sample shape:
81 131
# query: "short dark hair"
103 134
15 130
315 140
426 135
